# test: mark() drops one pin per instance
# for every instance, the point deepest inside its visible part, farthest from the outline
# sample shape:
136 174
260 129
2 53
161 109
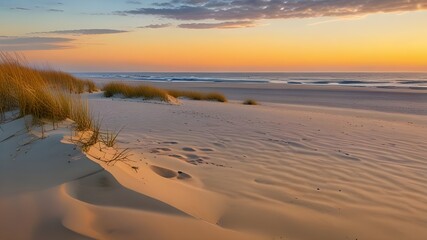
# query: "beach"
306 163
213 120
392 100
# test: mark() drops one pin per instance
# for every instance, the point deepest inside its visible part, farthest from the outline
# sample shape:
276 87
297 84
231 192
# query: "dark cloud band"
157 25
221 25
227 10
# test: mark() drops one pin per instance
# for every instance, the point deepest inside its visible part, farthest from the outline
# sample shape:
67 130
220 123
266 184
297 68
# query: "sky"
217 35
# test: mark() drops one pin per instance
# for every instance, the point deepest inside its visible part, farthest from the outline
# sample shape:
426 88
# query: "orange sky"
373 42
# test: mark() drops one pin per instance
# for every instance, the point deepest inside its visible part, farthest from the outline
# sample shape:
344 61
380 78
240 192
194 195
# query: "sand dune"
49 190
203 170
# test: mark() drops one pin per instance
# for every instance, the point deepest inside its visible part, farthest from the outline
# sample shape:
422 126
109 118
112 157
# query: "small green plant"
250 102
119 156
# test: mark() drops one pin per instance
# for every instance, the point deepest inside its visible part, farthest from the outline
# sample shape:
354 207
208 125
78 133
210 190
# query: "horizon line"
247 71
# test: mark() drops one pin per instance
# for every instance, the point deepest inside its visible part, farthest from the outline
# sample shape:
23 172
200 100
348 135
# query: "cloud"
84 31
222 25
55 10
229 10
156 26
20 8
180 13
133 2
33 43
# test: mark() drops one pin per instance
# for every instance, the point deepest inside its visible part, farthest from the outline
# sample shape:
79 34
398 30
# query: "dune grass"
48 95
94 136
141 91
150 92
250 102
109 137
80 114
51 97
213 96
67 82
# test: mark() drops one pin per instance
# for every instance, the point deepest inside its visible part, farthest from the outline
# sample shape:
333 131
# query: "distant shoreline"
413 81
393 100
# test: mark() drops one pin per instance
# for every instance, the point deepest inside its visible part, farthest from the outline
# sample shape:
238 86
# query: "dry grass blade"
94 138
119 156
81 115
109 137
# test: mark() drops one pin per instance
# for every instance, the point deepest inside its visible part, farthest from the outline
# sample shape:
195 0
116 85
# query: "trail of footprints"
187 154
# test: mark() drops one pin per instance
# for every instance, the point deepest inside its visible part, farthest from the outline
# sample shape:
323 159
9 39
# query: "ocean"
384 80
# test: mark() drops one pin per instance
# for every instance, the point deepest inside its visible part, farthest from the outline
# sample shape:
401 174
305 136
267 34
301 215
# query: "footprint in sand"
164 172
194 159
190 158
167 173
188 149
206 149
177 156
164 149
159 150
183 175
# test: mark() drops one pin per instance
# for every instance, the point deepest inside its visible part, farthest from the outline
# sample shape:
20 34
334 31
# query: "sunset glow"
369 40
